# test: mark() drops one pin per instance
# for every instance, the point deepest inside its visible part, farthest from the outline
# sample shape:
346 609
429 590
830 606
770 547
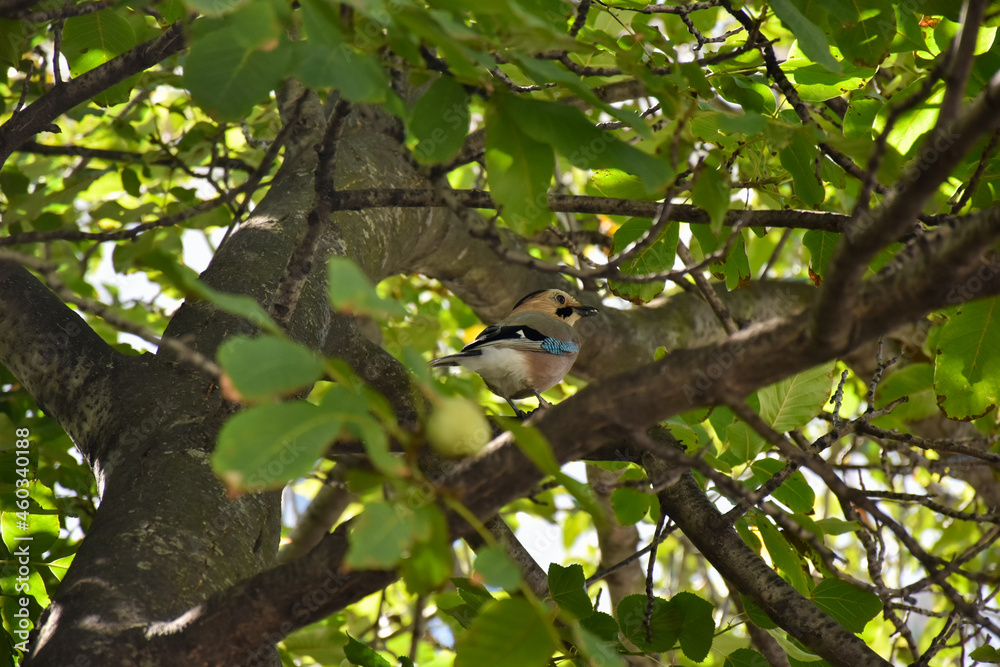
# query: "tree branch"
866 235
58 358
40 114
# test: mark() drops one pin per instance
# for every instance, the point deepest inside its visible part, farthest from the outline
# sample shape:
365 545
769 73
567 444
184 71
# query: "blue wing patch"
560 347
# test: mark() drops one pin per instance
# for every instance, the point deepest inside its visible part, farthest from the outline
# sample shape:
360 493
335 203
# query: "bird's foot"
542 403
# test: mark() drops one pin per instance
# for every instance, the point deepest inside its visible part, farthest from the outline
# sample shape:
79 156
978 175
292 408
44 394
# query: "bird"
529 351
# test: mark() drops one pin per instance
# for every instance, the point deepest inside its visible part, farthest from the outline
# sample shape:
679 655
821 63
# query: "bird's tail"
450 360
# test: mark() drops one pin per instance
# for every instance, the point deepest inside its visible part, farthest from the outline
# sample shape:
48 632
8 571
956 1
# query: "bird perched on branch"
528 351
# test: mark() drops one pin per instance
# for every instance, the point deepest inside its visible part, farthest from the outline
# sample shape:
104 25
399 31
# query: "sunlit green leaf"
507 633
852 607
655 257
567 586
811 39
497 569
269 445
967 366
792 402
267 365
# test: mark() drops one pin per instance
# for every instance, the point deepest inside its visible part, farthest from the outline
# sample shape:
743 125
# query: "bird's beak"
585 311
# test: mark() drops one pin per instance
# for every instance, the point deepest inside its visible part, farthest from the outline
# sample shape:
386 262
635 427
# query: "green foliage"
511 632
852 607
268 446
440 121
656 256
264 366
496 568
568 590
685 619
966 372
351 291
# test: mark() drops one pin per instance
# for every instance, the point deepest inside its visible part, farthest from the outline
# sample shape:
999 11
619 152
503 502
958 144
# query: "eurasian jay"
528 351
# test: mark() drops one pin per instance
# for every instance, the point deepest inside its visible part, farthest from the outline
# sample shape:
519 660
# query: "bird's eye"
560 298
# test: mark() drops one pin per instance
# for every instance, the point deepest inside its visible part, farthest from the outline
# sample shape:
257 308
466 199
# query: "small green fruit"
457 428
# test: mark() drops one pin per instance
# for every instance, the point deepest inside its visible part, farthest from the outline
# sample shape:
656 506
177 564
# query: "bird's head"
556 303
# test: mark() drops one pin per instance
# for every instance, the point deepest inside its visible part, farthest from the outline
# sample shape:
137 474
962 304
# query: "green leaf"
94 39
794 649
475 595
916 382
799 158
815 83
429 561
835 526
462 613
597 649
440 121
497 569
328 59
666 622
519 170
656 257
752 94
698 625
227 79
265 365
617 183
240 305
860 118
711 193
850 606
14 41
630 505
359 77
351 292
967 365
269 445
810 38
784 557
383 533
546 71
909 36
745 657
915 122
796 400
359 654
507 633
736 268
820 245
756 615
130 182
214 7
744 443
602 625
985 654
863 32
568 588
579 140
795 492
38 521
